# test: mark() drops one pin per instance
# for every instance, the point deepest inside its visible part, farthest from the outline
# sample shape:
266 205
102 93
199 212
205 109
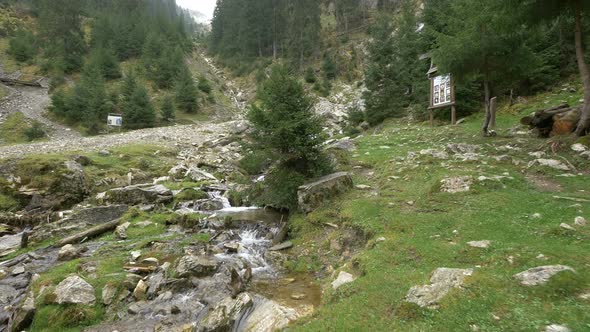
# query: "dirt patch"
544 184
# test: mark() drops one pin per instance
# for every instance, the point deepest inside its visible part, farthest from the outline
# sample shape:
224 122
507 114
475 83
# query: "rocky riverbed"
166 253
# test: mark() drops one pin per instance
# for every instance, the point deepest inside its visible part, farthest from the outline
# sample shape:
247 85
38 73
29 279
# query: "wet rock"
108 293
556 328
24 314
121 230
232 246
270 316
540 275
104 153
197 266
480 244
155 283
282 246
140 291
456 185
7 294
312 195
223 316
67 253
580 221
208 205
18 270
552 163
343 278
197 175
74 290
298 296
139 194
10 242
441 282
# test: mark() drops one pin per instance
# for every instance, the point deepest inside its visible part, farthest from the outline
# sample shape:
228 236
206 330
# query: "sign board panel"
115 120
442 91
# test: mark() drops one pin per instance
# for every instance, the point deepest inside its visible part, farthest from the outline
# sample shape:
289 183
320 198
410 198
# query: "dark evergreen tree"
61 31
286 127
107 62
186 93
138 110
167 109
23 46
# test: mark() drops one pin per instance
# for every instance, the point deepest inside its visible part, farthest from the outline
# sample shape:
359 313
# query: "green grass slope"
425 229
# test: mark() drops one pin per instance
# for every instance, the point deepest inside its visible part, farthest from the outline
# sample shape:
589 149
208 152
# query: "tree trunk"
89 233
274 30
584 123
487 117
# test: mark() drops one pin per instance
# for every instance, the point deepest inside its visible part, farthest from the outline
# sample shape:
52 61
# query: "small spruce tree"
186 93
286 127
168 110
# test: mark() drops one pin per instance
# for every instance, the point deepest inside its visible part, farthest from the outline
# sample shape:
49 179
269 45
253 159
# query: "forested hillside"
95 44
492 48
290 165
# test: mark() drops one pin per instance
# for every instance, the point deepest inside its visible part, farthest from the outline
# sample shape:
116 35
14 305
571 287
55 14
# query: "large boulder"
97 214
65 186
138 194
197 266
541 274
312 195
226 313
343 278
74 290
269 316
442 281
23 316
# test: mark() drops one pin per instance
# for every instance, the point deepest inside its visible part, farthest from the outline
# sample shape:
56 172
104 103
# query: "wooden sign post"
442 93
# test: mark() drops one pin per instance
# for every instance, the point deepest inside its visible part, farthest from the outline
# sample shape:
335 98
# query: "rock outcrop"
312 195
197 266
74 290
541 274
442 281
137 194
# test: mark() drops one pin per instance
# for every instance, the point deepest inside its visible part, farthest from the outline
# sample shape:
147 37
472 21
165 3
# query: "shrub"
23 46
35 131
204 85
310 76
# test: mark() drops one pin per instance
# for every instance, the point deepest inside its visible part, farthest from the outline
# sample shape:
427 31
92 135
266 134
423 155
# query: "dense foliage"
98 36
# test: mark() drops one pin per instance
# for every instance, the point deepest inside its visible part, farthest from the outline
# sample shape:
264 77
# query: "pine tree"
540 10
23 46
186 93
168 110
480 39
107 62
138 110
61 30
89 103
286 127
383 89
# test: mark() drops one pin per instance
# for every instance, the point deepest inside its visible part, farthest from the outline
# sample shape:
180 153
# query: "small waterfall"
216 195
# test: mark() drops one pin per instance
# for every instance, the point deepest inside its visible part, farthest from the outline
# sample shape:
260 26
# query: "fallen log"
558 120
89 233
